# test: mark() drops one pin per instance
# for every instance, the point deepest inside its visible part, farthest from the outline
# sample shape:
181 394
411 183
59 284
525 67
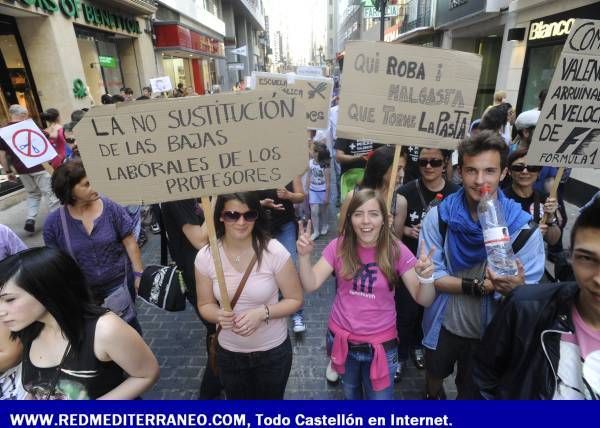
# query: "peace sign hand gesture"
424 267
305 245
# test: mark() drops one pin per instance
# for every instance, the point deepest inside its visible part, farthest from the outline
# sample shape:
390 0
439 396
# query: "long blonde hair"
387 248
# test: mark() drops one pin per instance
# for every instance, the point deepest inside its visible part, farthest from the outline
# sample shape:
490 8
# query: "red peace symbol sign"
30 143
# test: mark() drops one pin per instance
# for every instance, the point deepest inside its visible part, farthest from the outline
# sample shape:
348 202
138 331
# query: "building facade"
244 27
65 54
527 63
189 40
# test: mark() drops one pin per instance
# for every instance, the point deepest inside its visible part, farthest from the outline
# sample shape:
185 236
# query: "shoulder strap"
523 237
420 193
442 226
63 219
238 292
536 207
164 241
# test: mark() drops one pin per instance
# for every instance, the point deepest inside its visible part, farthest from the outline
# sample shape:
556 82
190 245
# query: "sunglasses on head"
519 167
435 163
233 216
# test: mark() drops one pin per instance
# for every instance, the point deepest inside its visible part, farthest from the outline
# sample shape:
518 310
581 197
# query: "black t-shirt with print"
529 204
417 208
354 148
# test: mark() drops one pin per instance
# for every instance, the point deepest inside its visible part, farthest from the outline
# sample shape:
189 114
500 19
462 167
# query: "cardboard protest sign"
313 92
161 84
407 95
181 148
568 130
28 143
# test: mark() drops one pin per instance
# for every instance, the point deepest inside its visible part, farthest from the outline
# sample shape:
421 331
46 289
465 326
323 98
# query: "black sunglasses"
435 163
233 216
519 167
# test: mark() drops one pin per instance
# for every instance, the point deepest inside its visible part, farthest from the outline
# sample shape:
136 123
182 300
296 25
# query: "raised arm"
312 277
419 280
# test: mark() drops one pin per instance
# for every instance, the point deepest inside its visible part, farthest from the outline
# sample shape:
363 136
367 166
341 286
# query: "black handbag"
163 287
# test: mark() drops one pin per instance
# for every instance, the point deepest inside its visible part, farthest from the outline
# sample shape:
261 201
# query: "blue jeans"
356 380
287 238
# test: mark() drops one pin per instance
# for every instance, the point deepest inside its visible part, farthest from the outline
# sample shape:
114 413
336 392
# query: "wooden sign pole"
554 191
214 250
392 183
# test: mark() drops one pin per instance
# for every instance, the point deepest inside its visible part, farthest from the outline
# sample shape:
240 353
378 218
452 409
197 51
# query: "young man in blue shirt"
468 291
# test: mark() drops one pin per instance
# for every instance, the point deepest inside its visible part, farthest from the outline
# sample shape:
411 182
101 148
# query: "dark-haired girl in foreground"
72 349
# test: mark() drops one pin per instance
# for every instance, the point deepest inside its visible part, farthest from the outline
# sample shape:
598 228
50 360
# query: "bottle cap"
486 188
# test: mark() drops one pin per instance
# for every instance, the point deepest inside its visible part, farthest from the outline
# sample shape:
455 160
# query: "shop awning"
175 38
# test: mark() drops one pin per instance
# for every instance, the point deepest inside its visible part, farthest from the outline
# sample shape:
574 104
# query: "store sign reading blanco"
91 14
540 30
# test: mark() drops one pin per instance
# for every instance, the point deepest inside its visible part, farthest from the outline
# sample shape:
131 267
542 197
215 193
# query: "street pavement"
178 338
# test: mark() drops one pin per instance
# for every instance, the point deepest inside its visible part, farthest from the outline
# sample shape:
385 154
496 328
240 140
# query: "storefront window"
178 69
541 62
208 83
489 49
15 82
113 80
105 77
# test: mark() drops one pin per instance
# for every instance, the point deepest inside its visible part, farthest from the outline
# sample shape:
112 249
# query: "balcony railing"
418 14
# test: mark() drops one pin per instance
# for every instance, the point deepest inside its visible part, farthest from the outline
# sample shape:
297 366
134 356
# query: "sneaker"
399 370
155 228
331 375
30 225
440 396
325 230
315 235
298 320
418 357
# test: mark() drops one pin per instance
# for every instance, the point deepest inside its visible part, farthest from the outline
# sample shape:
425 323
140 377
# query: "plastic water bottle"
500 256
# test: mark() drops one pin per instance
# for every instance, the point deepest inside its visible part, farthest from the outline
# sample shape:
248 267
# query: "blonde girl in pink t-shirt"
254 353
368 262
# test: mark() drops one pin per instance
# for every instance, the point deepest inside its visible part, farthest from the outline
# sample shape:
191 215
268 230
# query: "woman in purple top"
10 243
98 234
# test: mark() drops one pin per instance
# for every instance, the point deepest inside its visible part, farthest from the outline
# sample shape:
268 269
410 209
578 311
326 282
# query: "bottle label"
496 235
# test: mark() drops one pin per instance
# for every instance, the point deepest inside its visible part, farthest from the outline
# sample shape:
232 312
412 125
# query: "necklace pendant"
237 259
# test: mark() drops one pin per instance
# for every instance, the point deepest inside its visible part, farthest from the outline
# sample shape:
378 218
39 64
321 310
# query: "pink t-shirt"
261 289
579 363
365 304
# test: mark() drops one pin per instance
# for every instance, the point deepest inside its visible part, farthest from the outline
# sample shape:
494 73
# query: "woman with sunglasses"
414 199
521 190
368 263
254 353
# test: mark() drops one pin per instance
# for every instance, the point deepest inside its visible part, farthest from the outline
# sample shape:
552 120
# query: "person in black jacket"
544 342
